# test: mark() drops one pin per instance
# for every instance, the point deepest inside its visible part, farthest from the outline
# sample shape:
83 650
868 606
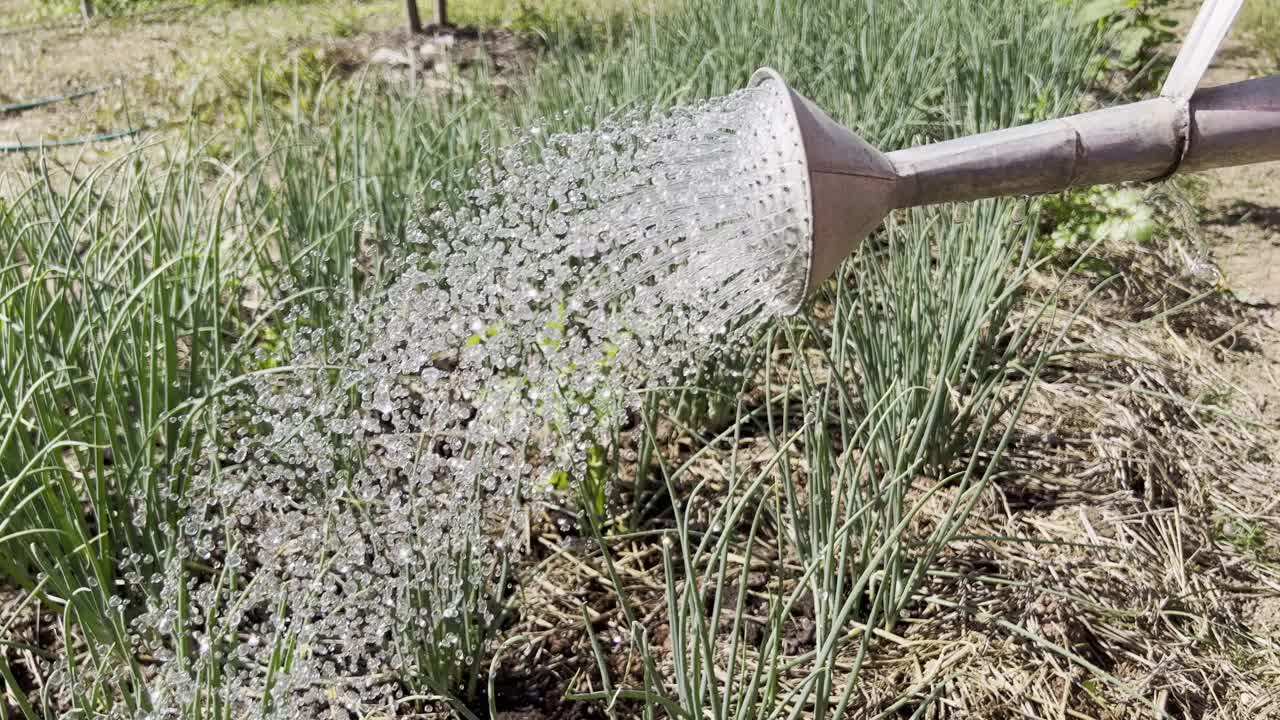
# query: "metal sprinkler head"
850 183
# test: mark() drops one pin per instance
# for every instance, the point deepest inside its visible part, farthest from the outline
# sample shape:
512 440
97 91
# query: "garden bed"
999 467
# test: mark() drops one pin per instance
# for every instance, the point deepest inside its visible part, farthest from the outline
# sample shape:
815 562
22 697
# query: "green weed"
1135 29
1078 218
1246 536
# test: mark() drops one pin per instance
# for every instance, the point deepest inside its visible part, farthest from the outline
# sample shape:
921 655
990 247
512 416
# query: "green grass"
1261 24
132 299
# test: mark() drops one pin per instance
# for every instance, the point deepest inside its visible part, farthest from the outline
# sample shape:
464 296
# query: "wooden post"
442 13
415 21
86 10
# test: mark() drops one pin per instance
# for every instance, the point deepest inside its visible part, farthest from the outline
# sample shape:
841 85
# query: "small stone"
388 56
436 50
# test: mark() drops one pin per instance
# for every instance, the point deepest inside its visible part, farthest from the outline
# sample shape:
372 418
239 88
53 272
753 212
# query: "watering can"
852 186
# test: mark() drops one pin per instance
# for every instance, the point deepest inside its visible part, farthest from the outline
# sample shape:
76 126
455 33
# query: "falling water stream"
364 499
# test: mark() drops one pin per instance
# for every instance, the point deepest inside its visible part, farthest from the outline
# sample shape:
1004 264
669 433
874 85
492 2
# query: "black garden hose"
25 105
85 140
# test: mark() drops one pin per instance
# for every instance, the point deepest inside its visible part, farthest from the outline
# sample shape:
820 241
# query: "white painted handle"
1207 33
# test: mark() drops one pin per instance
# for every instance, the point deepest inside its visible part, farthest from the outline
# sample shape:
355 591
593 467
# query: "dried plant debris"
1127 561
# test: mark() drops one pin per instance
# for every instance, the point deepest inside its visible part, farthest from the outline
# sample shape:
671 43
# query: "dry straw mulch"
1126 563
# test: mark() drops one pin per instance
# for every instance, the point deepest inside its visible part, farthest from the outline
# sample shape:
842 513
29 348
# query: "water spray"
852 186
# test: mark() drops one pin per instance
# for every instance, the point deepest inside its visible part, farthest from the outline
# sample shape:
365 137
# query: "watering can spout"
853 186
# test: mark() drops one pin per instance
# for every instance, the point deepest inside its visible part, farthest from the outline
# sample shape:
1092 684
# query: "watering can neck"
1226 125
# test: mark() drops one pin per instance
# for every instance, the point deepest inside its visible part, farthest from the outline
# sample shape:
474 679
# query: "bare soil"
1242 225
147 69
139 65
